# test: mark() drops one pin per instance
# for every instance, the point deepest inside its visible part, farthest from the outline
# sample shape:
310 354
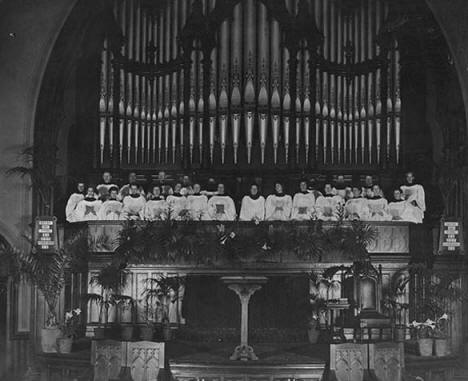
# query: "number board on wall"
45 233
451 236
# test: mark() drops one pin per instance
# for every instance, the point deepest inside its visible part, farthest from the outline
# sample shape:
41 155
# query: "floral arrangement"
71 324
431 328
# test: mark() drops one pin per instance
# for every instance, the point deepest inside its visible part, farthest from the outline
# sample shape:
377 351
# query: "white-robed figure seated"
378 205
177 202
398 208
221 207
156 208
414 195
132 180
72 203
133 204
111 209
357 207
88 208
252 206
327 207
103 189
278 206
303 206
197 204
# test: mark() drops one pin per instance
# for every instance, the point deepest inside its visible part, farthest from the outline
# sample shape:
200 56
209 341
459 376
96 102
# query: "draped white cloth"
110 210
416 199
156 210
133 208
87 210
221 208
327 207
378 209
401 211
178 205
72 203
252 209
357 209
278 207
303 207
198 207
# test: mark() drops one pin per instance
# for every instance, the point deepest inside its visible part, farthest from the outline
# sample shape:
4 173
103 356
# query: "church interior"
233 190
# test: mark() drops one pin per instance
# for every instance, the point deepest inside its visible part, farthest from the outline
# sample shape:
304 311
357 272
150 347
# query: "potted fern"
69 330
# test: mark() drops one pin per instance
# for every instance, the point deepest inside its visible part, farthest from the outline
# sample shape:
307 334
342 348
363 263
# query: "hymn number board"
46 233
451 237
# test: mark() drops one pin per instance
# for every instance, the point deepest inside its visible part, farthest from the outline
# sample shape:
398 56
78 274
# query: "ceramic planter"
49 338
441 347
64 344
425 346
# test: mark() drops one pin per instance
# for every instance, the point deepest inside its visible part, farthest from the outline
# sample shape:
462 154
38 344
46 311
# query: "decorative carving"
145 359
348 361
107 358
387 360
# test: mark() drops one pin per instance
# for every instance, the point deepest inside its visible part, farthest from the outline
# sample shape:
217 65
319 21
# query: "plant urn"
99 333
49 338
167 332
64 344
313 332
127 332
425 346
441 347
146 333
399 333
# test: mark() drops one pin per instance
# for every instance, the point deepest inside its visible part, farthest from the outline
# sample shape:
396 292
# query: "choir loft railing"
251 84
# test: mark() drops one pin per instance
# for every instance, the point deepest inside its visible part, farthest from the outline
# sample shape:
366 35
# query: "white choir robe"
110 210
378 209
357 209
400 211
198 207
125 191
415 194
87 210
221 208
72 203
178 205
252 210
303 207
156 210
278 208
103 189
327 207
133 208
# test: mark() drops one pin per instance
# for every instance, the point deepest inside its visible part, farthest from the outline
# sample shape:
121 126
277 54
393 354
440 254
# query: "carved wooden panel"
348 361
107 359
392 238
387 360
145 359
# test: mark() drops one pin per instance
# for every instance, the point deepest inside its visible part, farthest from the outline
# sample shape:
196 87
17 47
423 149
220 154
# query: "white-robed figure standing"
328 206
177 202
132 180
104 188
303 207
197 204
133 204
278 206
252 206
111 209
398 208
414 195
378 205
72 203
88 208
357 207
156 208
221 207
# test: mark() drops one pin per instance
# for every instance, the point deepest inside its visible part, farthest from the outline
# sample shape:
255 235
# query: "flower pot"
64 344
99 333
441 347
425 346
127 333
167 333
146 333
313 332
399 333
49 338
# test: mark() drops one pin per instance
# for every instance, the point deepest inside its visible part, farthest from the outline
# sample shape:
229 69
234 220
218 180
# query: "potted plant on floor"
125 306
317 305
424 336
396 312
69 330
441 345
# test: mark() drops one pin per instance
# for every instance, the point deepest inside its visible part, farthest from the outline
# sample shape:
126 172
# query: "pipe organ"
251 84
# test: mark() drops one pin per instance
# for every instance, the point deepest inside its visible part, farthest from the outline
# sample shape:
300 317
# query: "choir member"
357 207
278 205
197 204
111 209
177 202
329 205
211 188
186 185
74 199
414 195
253 206
221 207
378 206
313 189
133 204
156 209
398 207
132 180
340 187
88 208
303 204
103 189
368 185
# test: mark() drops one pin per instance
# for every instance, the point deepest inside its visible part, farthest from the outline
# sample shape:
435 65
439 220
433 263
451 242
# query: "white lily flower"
77 311
444 317
68 315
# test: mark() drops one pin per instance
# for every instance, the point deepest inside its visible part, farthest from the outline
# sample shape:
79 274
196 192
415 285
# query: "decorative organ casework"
251 83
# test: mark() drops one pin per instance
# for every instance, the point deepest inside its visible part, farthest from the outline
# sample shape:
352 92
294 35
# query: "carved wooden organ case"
218 84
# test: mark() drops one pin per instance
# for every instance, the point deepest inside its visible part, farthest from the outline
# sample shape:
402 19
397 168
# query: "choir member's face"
196 188
132 178
253 190
409 178
134 189
340 179
90 192
186 180
156 192
349 195
279 188
80 187
220 188
397 194
369 180
369 192
303 186
356 192
376 190
113 194
177 188
161 175
106 177
328 189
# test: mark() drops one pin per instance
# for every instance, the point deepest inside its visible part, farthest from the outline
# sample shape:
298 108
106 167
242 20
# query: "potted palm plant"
69 330
396 311
125 306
